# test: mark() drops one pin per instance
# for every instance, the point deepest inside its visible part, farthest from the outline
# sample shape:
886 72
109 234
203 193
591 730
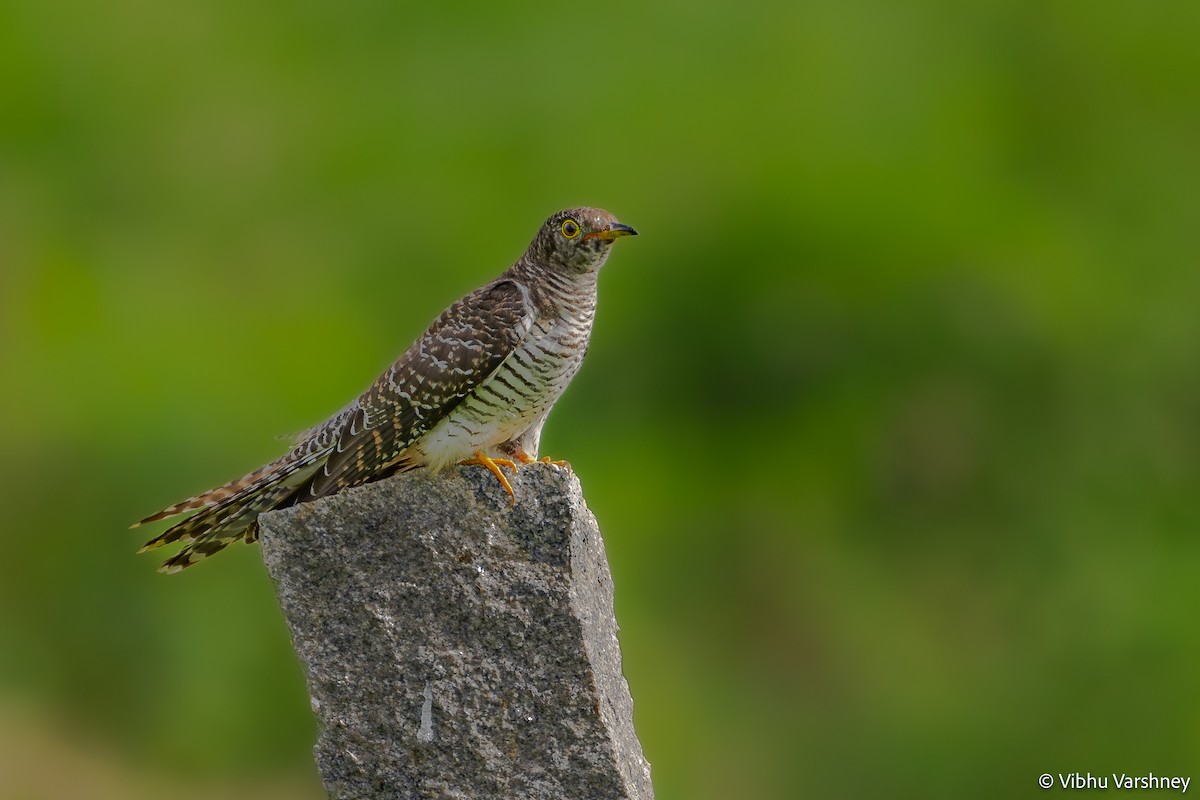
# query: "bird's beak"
615 231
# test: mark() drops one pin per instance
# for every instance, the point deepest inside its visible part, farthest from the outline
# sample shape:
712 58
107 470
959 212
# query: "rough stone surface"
455 646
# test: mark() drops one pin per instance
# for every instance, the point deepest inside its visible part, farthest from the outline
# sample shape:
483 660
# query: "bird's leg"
525 458
493 466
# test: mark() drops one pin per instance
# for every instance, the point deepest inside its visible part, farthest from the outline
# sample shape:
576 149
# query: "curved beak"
615 231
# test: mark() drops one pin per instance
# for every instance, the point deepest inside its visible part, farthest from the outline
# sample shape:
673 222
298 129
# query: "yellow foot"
493 465
525 458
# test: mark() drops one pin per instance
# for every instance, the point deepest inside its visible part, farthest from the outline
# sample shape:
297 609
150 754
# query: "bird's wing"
462 347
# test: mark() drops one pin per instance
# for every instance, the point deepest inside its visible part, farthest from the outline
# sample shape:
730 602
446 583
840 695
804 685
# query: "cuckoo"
475 388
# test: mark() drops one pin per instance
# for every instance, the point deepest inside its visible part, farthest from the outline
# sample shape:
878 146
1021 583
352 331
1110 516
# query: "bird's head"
577 240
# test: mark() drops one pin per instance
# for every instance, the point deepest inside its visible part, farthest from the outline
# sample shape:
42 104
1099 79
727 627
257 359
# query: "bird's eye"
570 228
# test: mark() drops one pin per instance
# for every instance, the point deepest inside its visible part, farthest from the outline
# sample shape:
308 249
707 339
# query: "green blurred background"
891 417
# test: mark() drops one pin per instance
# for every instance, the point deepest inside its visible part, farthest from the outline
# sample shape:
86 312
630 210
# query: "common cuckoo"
475 388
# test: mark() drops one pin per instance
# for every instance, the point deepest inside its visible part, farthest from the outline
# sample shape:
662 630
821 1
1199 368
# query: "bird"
475 388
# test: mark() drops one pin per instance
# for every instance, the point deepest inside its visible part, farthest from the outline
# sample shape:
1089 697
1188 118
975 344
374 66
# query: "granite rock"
456 646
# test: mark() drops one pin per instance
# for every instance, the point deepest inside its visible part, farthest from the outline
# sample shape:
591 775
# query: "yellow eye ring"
570 228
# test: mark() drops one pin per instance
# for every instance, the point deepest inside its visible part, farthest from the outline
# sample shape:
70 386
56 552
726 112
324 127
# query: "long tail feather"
240 525
219 523
212 497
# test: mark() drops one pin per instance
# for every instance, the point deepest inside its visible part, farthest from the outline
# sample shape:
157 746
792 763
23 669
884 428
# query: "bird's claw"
525 459
493 466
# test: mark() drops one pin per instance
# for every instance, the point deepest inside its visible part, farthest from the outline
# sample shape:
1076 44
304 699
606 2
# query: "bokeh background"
891 417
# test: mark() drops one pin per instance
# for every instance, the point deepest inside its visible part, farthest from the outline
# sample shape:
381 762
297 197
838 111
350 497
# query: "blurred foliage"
891 416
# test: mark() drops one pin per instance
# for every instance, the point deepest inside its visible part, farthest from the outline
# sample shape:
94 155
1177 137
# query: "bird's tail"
230 512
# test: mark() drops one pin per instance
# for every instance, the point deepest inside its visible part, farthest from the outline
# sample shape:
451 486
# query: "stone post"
456 646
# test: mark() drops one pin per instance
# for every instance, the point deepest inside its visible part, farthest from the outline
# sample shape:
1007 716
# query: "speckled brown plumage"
480 381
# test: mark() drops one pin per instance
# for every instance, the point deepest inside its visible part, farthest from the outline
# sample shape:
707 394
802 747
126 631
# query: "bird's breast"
519 393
